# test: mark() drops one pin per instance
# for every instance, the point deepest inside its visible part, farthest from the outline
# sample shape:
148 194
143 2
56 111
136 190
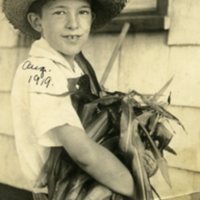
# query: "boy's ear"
35 21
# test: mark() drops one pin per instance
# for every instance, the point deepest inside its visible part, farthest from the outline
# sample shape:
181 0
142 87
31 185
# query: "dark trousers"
40 196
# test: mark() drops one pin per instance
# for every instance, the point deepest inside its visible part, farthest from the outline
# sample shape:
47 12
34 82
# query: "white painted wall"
145 63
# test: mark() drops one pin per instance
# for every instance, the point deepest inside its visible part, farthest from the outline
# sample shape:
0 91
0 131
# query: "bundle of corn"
132 126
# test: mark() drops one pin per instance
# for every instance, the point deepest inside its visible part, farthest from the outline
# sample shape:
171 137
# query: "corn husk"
162 164
98 191
131 144
128 125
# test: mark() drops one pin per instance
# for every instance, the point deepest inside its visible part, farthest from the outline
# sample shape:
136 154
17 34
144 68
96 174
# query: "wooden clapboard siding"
10 57
145 63
148 62
10 171
185 17
13 49
185 184
99 59
5 114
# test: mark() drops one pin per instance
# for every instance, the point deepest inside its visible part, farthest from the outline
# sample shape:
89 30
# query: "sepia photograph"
99 100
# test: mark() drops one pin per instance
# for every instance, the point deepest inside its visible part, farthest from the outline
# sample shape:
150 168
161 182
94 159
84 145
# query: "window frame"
141 21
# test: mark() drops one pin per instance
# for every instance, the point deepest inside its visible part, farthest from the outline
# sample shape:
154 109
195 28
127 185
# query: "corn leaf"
144 117
156 193
107 100
126 127
111 143
76 184
144 189
170 150
156 107
131 144
162 164
116 196
59 173
99 192
98 126
138 175
161 91
82 193
60 190
88 113
168 115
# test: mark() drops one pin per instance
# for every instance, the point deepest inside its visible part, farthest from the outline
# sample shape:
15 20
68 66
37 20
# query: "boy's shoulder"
40 66
42 75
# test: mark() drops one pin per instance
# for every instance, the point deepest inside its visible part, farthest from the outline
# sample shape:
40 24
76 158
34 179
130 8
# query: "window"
135 6
143 15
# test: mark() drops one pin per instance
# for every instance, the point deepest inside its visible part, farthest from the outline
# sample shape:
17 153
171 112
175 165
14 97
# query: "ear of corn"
130 143
130 126
162 164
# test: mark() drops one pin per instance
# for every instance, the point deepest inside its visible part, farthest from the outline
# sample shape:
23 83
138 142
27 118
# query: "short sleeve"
50 102
44 76
48 112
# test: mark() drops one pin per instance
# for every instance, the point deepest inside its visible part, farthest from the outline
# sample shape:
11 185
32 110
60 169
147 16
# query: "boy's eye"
59 13
85 12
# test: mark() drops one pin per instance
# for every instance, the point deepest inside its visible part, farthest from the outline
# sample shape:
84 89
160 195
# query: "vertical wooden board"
144 62
6 126
9 60
185 65
98 51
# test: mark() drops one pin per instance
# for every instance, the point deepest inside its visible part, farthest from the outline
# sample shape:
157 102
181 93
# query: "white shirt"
40 102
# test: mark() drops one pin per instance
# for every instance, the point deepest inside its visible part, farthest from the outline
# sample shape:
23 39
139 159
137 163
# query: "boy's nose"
72 22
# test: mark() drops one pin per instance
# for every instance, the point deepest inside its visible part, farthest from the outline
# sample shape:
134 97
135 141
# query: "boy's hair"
36 6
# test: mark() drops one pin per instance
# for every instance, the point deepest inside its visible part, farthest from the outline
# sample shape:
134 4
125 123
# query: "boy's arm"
96 160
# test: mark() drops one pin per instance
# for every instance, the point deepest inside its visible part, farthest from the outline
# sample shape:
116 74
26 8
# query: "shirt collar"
41 48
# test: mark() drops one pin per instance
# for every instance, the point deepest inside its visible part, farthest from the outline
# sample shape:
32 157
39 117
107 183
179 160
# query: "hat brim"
16 12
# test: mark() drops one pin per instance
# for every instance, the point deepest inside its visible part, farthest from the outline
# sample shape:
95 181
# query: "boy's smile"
65 24
72 37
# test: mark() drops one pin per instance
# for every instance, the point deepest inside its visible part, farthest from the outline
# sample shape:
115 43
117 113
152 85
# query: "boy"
42 109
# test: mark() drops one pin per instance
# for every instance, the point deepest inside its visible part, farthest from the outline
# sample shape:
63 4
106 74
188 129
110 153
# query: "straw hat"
16 13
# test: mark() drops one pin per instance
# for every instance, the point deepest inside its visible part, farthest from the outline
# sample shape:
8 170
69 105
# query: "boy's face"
65 24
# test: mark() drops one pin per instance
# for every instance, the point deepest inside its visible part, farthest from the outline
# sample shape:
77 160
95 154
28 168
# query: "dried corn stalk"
133 130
